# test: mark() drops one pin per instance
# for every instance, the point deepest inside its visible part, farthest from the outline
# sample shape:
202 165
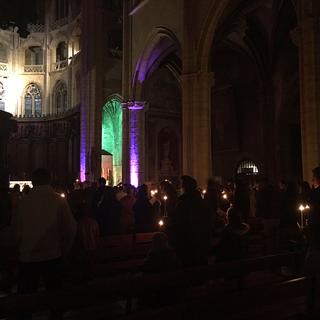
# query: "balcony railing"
3 67
34 68
35 27
60 65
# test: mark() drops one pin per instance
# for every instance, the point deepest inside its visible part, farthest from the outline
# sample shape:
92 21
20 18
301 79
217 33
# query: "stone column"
309 49
196 122
136 141
126 88
92 87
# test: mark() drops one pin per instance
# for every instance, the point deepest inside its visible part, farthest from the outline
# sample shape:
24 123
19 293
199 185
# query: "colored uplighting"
111 138
134 150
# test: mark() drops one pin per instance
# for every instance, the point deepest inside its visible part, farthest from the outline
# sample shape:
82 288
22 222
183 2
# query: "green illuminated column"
112 135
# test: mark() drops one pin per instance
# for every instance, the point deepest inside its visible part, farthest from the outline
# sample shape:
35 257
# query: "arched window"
32 101
61 52
3 54
112 136
34 56
60 97
248 168
2 92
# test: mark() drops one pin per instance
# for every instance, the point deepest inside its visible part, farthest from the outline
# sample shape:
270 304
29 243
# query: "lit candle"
62 195
161 223
165 198
301 208
224 196
204 191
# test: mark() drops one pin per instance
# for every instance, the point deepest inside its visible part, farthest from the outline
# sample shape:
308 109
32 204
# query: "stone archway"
111 139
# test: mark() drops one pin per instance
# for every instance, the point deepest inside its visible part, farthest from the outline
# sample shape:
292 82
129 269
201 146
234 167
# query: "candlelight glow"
165 198
301 207
204 191
161 223
62 195
225 197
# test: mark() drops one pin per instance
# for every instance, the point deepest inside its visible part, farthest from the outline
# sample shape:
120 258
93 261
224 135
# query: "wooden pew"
123 247
128 287
273 301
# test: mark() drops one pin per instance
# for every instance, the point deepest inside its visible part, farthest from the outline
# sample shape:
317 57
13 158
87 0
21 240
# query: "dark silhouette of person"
191 229
241 199
211 199
161 258
234 239
143 211
289 205
109 212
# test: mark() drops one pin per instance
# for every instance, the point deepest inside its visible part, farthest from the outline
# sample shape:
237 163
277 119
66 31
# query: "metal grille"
247 167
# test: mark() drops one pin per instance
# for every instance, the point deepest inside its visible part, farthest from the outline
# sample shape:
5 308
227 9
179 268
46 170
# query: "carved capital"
135 105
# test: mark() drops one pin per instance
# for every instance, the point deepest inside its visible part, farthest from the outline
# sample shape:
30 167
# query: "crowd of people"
46 224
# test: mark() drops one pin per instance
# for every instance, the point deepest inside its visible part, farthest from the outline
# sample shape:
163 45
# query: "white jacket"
44 226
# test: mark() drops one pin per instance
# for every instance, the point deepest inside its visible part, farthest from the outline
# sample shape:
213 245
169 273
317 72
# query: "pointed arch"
60 97
160 43
32 100
111 137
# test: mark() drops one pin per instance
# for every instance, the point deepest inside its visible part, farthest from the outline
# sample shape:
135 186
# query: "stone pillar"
126 88
309 49
136 141
92 87
196 122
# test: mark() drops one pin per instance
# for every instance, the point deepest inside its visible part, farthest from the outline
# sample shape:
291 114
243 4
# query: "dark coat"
143 215
191 229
